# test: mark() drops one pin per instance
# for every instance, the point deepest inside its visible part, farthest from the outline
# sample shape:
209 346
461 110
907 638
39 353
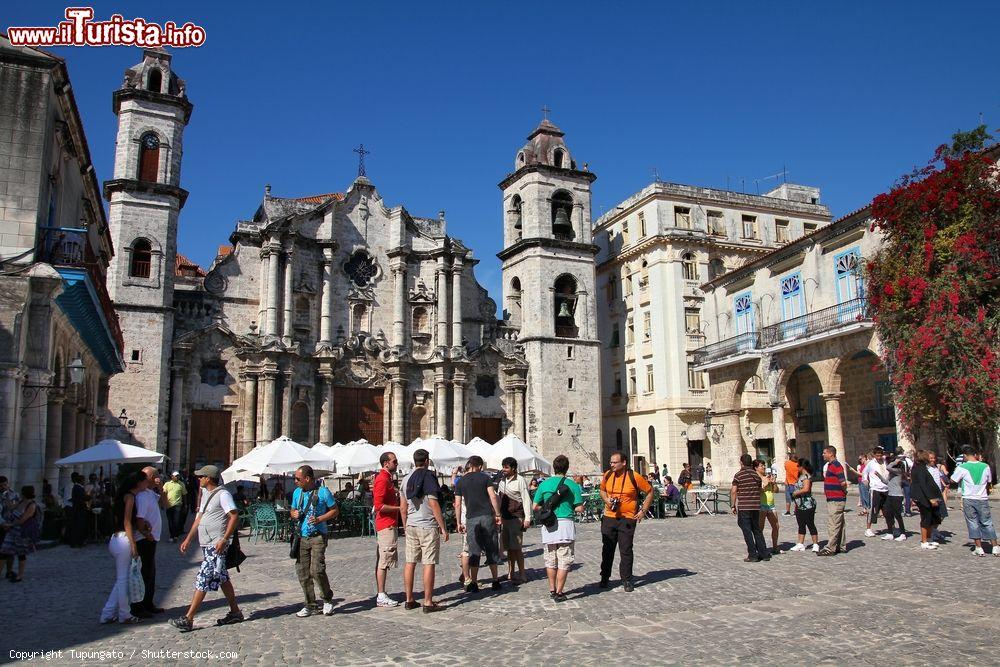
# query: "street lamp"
77 371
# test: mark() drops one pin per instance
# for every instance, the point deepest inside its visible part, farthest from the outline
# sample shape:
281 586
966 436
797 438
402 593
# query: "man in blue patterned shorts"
215 525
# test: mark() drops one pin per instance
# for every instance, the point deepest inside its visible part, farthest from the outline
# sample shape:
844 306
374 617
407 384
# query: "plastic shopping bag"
136 586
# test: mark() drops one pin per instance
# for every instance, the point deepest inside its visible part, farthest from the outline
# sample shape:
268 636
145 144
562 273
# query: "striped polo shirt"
833 481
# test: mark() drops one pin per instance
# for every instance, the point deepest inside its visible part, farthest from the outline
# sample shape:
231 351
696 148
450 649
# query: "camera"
614 503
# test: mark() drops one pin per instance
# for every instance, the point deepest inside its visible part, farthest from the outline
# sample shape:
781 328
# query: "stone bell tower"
548 283
145 199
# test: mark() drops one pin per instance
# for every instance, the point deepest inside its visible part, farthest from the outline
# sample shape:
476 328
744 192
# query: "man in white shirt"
876 476
974 479
148 506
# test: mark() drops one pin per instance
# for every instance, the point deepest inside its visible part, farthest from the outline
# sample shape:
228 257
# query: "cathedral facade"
335 317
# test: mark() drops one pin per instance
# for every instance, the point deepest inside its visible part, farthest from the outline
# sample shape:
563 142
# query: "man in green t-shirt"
175 491
559 541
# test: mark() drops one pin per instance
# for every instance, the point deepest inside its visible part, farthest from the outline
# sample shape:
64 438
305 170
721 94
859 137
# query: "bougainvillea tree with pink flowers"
934 285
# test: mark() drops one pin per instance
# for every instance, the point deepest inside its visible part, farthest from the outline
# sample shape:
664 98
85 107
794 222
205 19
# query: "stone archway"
419 423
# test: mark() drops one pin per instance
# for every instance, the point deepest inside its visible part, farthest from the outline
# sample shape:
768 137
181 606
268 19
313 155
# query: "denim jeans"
865 492
978 519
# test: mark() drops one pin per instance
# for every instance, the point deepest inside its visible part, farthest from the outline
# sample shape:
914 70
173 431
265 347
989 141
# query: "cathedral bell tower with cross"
549 274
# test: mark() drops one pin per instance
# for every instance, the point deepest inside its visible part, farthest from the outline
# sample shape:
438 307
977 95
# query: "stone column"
456 304
53 438
578 226
725 445
265 263
458 408
81 433
273 288
326 410
286 336
176 412
327 278
249 413
399 305
10 399
780 438
442 303
286 407
441 409
267 406
28 462
834 425
397 433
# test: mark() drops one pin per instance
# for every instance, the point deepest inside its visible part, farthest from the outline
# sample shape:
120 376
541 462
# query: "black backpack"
547 515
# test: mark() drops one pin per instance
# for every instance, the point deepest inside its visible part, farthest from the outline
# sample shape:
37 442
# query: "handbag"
547 515
296 540
136 586
235 555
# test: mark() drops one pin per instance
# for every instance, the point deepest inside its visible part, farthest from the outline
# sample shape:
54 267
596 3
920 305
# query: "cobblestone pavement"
695 602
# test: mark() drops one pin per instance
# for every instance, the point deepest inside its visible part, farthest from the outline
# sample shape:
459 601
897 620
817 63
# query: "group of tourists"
492 513
882 478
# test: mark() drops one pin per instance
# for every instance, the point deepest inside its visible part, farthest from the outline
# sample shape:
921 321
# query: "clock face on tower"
150 141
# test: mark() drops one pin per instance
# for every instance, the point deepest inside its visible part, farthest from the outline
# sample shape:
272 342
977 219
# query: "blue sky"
846 96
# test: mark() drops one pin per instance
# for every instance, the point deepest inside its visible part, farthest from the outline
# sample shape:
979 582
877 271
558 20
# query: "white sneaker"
869 533
385 601
996 552
901 538
979 551
304 612
886 536
928 545
328 609
815 548
798 547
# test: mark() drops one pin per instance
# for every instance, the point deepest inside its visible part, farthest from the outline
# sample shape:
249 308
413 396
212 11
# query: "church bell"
561 225
564 309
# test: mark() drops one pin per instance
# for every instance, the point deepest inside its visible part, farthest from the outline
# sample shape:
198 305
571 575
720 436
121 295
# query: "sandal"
131 620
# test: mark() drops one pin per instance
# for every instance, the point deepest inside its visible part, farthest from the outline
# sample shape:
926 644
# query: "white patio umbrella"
479 447
527 458
443 453
403 454
278 457
111 451
360 456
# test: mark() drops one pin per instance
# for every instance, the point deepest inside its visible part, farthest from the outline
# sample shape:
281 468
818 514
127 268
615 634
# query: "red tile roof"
319 199
184 267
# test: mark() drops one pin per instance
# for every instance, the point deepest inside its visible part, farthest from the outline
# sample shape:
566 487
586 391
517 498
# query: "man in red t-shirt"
386 505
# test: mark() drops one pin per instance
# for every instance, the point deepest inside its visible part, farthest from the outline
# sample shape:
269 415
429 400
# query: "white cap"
175 474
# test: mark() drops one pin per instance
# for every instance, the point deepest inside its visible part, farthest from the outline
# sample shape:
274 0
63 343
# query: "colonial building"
656 249
335 317
59 335
792 357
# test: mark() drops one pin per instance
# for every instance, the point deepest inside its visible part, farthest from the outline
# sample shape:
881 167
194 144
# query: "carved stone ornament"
304 284
421 293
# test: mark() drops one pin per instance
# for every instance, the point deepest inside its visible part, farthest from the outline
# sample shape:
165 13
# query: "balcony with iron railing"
878 417
730 347
811 423
800 329
816 323
70 248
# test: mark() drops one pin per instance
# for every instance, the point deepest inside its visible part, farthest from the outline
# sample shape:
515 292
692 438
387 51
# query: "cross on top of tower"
545 112
362 152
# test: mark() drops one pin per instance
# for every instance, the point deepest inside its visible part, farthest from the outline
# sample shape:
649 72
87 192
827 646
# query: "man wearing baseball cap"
215 525
175 492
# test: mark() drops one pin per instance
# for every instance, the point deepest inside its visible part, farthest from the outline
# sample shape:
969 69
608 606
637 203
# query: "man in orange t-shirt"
791 478
620 490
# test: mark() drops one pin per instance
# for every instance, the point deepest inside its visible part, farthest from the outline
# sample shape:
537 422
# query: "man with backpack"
620 489
555 501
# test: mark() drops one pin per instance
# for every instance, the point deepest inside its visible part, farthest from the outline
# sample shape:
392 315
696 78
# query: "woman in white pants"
123 549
